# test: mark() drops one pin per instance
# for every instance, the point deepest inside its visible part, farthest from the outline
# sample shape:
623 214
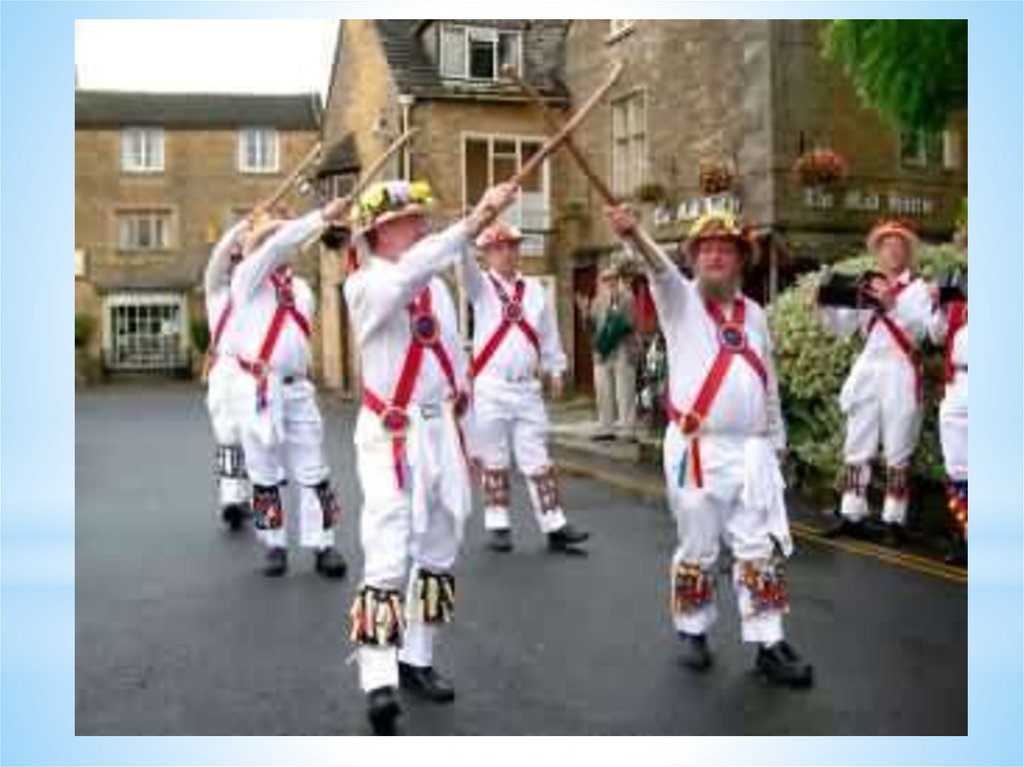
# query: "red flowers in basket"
818 167
716 176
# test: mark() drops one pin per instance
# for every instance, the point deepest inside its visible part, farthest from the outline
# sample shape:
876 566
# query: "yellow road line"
801 530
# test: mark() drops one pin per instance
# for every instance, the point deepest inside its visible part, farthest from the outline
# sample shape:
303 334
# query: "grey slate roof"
298 111
416 74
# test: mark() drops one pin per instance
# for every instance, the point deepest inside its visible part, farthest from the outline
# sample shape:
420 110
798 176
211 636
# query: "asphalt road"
178 634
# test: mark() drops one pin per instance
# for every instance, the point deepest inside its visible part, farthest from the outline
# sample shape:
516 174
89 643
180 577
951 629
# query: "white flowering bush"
813 364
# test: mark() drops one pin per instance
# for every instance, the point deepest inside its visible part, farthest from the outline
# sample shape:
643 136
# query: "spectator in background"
611 318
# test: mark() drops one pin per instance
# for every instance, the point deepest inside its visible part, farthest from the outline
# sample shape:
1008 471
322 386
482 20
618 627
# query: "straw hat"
387 201
498 233
717 225
892 228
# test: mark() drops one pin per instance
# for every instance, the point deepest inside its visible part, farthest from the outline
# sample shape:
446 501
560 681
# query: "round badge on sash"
425 329
732 337
513 312
395 420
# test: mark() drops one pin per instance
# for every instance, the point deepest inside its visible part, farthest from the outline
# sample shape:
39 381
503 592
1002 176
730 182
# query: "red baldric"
732 343
957 322
260 367
902 341
426 334
512 315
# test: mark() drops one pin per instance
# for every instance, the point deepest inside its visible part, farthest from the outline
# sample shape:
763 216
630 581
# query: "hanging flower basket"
716 176
820 167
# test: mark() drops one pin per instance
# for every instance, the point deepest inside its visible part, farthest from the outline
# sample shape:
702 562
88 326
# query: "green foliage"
913 71
84 327
813 364
200 335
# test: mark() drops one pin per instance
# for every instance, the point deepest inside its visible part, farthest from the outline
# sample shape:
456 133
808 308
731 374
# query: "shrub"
813 364
200 335
84 326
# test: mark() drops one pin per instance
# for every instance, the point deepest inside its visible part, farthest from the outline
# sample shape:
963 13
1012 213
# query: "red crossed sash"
260 367
732 343
512 315
901 339
218 331
426 334
957 322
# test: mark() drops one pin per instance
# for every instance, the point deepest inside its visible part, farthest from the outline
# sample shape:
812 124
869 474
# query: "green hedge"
84 327
813 364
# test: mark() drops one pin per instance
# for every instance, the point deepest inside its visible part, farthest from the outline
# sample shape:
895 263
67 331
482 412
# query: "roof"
296 111
415 73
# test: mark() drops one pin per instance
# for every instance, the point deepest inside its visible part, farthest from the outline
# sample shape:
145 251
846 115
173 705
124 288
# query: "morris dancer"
950 326
232 479
267 342
881 398
722 445
409 440
515 338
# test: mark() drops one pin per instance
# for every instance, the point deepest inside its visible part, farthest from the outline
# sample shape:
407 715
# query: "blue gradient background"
37 434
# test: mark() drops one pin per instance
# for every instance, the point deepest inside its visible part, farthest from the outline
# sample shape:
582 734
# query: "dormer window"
478 53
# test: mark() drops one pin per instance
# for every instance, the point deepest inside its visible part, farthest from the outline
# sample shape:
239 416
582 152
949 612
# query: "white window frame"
151 216
619 27
488 34
150 155
243 153
627 177
545 171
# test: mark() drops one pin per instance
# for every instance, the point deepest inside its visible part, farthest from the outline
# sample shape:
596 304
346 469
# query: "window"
257 150
620 26
144 331
921 149
142 150
144 230
478 53
629 143
490 159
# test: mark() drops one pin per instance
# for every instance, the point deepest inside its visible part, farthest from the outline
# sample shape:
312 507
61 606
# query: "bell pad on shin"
434 597
692 588
267 509
956 491
765 582
496 487
230 462
328 504
897 482
546 483
854 481
376 617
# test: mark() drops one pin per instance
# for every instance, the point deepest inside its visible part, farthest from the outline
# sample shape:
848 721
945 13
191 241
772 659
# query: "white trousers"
232 490
299 455
393 551
615 391
953 428
881 407
510 417
709 515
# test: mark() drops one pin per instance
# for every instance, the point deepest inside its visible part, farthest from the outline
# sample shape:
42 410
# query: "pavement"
178 634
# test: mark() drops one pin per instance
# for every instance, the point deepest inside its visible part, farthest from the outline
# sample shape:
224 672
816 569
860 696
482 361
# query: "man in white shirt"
267 343
881 397
411 447
515 339
722 444
232 480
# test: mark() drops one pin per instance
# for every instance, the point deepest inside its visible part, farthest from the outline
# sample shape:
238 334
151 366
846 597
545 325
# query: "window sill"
614 37
141 171
145 251
259 171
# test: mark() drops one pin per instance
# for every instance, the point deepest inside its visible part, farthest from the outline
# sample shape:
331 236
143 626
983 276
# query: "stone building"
442 77
752 95
158 177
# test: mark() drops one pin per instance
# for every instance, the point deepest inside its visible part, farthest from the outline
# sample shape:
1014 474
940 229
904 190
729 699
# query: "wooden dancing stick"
561 135
286 185
554 124
377 165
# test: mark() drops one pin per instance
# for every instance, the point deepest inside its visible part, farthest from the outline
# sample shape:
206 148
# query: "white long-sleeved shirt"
217 278
516 358
378 295
255 301
744 405
912 313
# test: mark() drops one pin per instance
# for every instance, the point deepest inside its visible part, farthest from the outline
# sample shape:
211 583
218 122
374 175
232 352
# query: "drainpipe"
406 100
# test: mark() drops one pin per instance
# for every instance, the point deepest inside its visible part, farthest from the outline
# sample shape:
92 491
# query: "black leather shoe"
276 563
382 709
426 683
696 655
893 537
781 665
233 515
330 563
844 528
499 540
567 539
